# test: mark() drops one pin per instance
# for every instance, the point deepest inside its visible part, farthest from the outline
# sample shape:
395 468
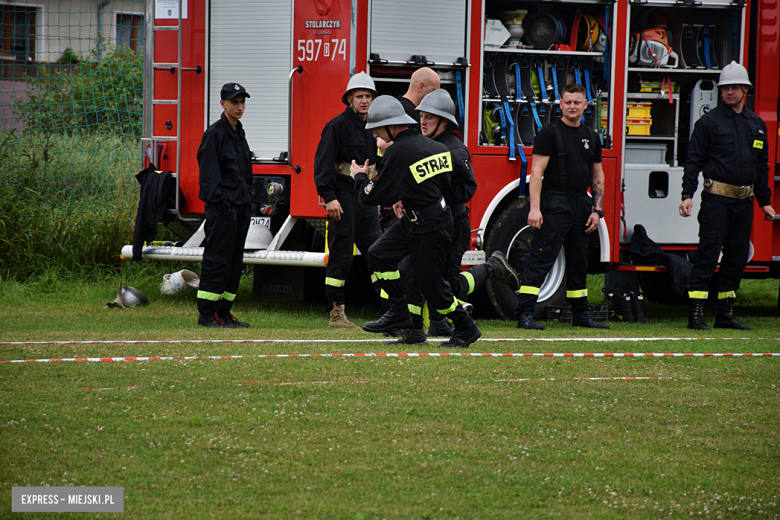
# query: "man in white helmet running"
729 146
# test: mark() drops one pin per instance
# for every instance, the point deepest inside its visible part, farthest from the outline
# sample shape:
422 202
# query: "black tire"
512 235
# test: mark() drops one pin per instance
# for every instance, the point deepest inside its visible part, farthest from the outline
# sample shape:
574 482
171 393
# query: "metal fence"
71 116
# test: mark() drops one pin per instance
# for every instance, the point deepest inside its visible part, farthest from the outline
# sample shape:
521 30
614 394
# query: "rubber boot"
623 311
696 315
725 318
638 307
502 272
466 333
338 318
397 317
527 321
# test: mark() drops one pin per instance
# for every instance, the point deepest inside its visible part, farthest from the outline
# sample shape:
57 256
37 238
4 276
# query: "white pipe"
264 257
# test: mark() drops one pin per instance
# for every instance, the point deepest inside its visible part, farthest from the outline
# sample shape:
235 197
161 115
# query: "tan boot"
339 319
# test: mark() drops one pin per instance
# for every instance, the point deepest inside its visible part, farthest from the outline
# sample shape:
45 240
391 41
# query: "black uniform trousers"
429 255
564 215
462 283
723 224
359 225
223 257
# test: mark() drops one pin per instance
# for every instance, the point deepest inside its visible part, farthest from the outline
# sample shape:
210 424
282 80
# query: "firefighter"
566 161
345 139
418 170
423 82
437 120
226 188
729 146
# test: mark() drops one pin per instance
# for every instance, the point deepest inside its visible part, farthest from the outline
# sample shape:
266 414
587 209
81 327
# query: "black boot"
440 327
696 315
638 306
502 272
230 318
396 317
413 336
527 321
725 318
214 321
465 334
584 320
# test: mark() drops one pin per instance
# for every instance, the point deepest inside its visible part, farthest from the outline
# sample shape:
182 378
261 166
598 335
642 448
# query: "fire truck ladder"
150 102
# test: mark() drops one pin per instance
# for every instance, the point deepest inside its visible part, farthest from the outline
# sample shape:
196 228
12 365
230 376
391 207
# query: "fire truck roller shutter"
251 45
433 28
512 234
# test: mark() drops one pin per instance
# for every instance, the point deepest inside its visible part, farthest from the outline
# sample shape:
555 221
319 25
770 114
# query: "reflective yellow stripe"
228 296
374 278
451 308
335 282
726 294
527 289
698 295
470 279
579 293
414 309
383 294
203 295
391 275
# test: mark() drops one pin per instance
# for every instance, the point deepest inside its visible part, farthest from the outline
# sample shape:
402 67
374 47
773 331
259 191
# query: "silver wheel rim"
552 283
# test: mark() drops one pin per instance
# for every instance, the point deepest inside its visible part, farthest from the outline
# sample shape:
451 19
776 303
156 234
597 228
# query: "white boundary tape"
167 341
412 354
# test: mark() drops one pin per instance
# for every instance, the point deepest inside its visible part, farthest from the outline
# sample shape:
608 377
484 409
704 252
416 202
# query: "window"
18 32
130 31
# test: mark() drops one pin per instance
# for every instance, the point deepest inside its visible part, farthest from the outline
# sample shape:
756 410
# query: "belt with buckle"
420 216
343 169
728 190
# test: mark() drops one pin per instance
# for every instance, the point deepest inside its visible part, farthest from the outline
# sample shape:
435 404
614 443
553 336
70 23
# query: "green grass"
377 437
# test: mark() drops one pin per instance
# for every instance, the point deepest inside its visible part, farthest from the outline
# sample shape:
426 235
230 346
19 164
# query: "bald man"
423 82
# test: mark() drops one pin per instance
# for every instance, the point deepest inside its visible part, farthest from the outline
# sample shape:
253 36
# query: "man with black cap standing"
226 188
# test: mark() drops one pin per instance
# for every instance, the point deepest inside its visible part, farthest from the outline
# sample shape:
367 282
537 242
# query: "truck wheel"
512 235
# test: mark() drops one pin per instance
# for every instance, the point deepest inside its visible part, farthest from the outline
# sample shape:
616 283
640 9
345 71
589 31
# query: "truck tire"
512 235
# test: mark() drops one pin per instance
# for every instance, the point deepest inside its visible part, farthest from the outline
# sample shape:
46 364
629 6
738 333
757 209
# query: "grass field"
384 437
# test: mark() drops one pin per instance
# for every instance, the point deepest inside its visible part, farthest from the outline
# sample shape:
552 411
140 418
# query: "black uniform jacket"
731 148
343 140
225 164
415 169
410 109
463 184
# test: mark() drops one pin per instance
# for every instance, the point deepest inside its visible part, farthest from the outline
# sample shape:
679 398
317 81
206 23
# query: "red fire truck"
649 67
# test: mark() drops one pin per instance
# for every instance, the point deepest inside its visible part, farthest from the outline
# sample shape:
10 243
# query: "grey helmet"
439 103
128 297
386 111
359 80
734 74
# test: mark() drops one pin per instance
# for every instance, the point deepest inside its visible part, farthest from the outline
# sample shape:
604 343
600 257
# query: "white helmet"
258 237
359 80
734 74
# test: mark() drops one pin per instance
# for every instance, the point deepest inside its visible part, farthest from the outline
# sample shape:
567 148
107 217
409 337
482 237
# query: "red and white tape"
413 355
168 341
632 378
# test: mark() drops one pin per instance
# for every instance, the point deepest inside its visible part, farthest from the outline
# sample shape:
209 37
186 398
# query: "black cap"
231 90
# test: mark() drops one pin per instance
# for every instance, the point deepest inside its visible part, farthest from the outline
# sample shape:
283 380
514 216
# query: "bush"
94 97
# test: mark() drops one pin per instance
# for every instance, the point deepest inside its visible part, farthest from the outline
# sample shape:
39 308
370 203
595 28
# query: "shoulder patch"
431 166
368 187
